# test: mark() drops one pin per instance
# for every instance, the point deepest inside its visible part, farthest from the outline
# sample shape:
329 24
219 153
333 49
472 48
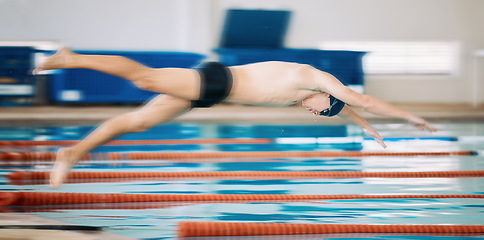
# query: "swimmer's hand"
421 124
349 114
375 135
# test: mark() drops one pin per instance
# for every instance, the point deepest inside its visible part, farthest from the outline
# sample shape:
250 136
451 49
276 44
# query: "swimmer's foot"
65 160
61 59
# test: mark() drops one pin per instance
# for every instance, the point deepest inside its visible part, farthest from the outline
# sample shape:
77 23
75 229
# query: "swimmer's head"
323 104
335 107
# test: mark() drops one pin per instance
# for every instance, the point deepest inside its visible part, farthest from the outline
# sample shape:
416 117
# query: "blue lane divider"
396 139
354 139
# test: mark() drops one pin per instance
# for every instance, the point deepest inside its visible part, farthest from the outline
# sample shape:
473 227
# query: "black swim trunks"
215 86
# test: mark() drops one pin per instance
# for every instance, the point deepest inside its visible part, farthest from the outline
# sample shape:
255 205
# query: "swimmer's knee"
132 123
138 128
147 79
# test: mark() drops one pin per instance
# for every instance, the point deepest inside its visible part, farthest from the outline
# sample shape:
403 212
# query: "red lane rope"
33 175
143 142
95 206
58 198
203 229
253 154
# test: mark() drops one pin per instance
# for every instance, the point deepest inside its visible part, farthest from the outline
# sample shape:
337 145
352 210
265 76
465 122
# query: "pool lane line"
37 175
279 140
397 139
53 227
111 164
355 139
59 198
103 206
45 156
142 142
205 229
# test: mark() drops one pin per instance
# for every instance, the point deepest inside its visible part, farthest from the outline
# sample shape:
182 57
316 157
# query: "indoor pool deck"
39 234
224 113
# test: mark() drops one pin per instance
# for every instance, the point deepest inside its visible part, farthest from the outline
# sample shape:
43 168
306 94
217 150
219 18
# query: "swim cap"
335 107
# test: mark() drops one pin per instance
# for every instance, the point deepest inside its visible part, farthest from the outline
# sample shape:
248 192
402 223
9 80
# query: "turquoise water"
159 220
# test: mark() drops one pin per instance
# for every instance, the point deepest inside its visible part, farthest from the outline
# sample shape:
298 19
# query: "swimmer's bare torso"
273 83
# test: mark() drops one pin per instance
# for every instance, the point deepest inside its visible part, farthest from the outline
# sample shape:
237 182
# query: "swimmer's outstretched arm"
333 86
159 110
349 114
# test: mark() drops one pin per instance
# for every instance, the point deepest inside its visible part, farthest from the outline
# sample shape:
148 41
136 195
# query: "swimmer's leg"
179 82
159 110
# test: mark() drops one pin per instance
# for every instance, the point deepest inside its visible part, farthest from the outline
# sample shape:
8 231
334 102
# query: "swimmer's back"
272 83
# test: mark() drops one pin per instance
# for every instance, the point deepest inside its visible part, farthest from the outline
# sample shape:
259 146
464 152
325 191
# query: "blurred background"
414 51
425 56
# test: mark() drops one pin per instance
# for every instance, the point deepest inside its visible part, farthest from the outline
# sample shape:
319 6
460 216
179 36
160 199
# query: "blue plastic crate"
254 28
16 63
89 86
345 65
240 56
16 79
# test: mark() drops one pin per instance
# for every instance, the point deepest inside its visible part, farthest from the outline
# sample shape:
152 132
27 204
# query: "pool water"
159 220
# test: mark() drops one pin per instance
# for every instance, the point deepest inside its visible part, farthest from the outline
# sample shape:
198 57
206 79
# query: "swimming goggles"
336 104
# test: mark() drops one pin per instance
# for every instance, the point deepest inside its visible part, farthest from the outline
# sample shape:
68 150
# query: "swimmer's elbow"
366 102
